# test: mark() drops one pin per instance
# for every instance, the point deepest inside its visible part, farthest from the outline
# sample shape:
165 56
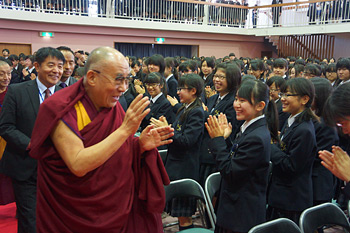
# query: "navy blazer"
161 107
224 106
242 199
183 154
172 85
323 180
291 183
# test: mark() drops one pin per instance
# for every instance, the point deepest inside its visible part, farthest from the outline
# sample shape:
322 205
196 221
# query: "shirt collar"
66 82
167 78
247 124
291 119
188 105
222 97
42 87
156 97
31 69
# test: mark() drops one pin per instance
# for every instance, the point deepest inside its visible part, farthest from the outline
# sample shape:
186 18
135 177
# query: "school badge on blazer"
178 127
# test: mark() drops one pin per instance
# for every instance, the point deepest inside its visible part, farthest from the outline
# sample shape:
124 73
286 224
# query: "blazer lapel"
33 93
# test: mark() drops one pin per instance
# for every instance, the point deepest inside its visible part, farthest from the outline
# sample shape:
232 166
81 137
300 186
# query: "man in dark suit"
68 67
17 120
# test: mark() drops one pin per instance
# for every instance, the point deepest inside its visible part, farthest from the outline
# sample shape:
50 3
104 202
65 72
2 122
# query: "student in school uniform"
331 74
183 154
207 72
244 168
226 80
322 179
159 104
257 68
290 188
171 76
280 68
275 83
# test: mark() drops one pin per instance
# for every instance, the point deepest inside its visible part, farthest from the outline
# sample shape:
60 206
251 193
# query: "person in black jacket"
244 168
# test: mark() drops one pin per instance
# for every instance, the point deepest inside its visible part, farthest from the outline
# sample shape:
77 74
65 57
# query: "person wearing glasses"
290 189
227 79
275 84
159 104
90 177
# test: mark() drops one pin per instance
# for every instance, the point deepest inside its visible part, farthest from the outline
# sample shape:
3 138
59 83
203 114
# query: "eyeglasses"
152 84
273 90
119 79
220 77
181 88
285 95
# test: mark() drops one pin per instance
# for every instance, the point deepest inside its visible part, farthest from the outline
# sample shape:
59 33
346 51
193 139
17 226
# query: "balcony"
312 17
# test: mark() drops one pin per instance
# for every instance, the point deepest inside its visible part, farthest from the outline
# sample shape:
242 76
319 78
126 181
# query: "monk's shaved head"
102 57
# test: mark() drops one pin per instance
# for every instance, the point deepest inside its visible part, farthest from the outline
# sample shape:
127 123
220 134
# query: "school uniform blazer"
161 107
282 116
291 183
172 84
242 199
323 180
17 120
183 154
224 106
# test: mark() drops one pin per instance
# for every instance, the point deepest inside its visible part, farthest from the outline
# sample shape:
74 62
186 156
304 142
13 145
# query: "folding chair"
324 214
281 225
212 185
188 188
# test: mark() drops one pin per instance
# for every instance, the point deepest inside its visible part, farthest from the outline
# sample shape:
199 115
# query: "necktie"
216 104
47 93
151 103
63 85
284 130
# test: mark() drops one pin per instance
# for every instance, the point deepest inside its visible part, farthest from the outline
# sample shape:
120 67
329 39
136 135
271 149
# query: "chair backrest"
212 185
187 188
163 154
320 215
281 225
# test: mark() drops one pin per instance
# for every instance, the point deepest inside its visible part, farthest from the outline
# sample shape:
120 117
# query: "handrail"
250 7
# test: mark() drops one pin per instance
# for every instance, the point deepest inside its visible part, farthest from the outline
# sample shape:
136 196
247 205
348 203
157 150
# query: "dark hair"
226 57
46 52
343 63
292 58
156 77
323 89
187 66
257 65
191 81
31 57
247 77
8 51
280 63
157 60
22 55
13 57
134 63
65 48
170 62
255 91
298 69
233 75
231 54
302 87
312 69
300 61
210 63
338 105
279 82
332 67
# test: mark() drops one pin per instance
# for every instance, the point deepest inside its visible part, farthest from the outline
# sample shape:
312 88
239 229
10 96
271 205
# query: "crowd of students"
237 116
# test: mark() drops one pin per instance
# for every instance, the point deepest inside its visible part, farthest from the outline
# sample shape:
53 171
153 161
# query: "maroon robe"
125 194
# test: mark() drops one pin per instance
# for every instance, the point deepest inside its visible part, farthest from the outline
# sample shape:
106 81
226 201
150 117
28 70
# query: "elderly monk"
93 174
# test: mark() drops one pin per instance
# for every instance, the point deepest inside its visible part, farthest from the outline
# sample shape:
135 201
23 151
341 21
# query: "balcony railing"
195 12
